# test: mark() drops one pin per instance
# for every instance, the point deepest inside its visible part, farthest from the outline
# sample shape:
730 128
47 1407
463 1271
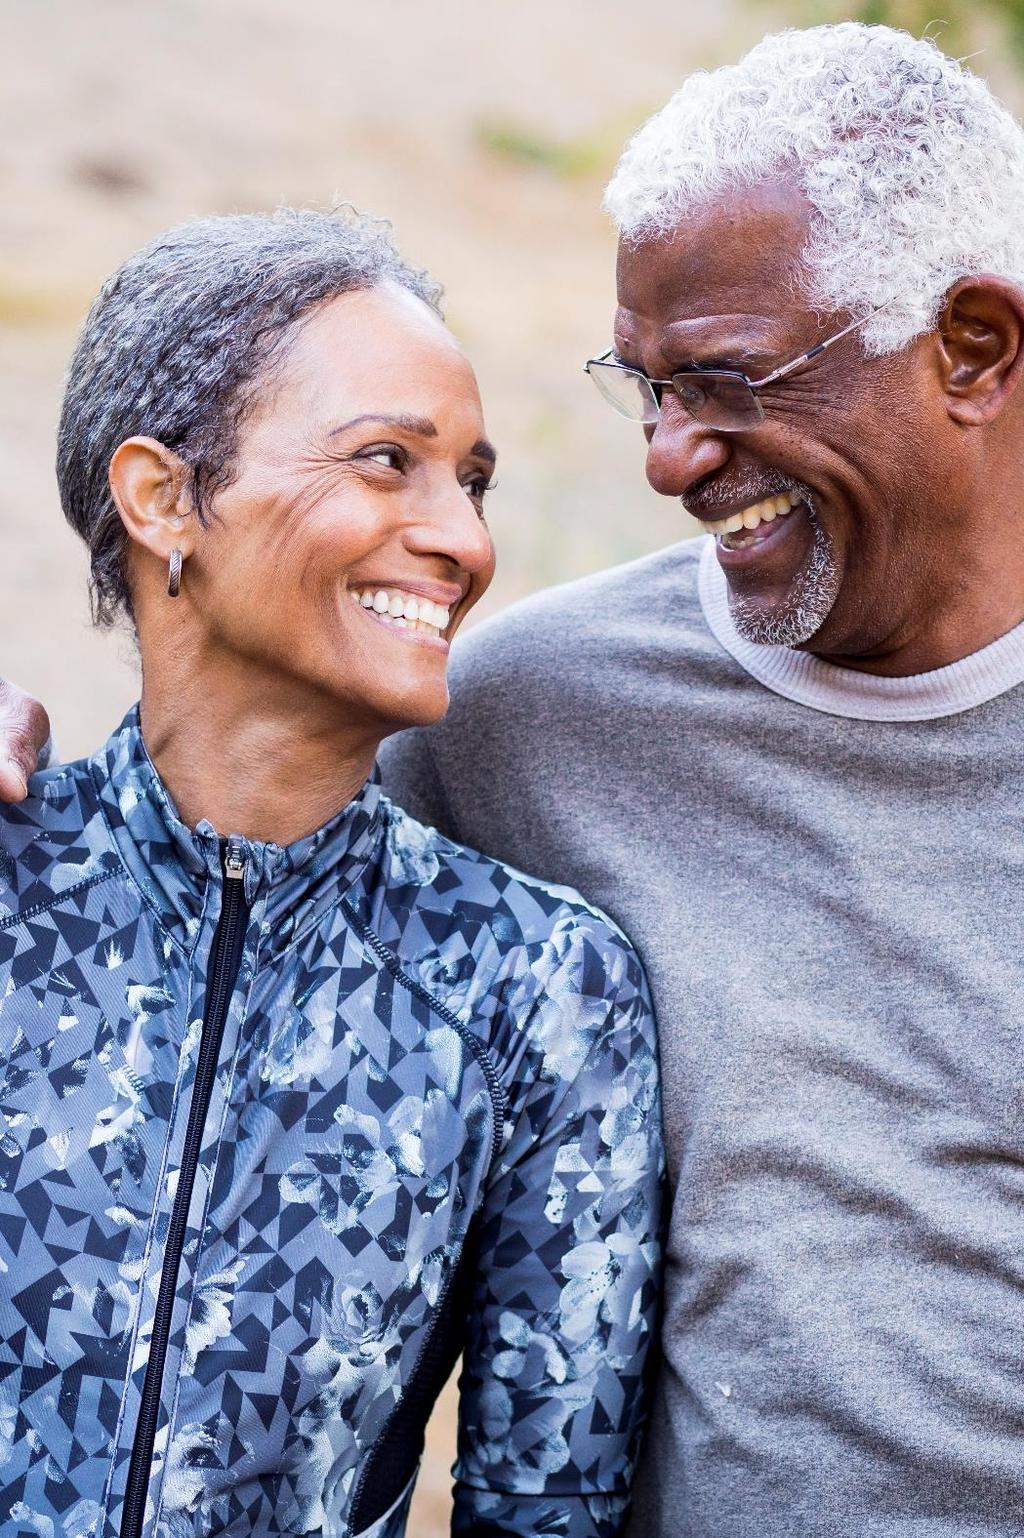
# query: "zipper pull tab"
234 859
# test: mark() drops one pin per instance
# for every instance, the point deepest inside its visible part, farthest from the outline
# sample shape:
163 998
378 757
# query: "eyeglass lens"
630 393
716 400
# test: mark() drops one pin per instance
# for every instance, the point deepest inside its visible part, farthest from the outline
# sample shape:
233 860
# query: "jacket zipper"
225 960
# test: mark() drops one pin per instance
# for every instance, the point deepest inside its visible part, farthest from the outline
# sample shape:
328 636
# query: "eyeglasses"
722 399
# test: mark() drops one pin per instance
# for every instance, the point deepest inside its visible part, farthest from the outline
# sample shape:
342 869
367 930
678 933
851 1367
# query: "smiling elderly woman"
301 1099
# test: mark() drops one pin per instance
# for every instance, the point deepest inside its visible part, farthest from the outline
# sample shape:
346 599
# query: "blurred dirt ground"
484 132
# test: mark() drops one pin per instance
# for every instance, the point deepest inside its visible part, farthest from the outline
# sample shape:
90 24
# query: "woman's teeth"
403 610
761 512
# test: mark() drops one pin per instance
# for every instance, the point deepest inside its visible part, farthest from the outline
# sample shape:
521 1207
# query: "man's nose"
450 526
680 451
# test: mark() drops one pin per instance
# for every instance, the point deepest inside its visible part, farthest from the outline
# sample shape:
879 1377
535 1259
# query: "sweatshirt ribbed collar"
174 864
802 677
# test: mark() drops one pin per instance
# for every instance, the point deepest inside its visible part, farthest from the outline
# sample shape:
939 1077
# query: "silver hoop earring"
174 574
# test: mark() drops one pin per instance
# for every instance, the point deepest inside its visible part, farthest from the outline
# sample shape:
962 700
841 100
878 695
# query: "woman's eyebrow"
408 424
423 426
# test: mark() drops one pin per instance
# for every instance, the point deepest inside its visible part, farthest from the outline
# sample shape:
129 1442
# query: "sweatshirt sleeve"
411 778
565 1305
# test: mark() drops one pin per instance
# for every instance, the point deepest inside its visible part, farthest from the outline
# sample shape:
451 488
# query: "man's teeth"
403 610
761 512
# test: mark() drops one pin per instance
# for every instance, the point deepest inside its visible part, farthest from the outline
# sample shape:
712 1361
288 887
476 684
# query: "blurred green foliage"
1012 12
963 28
516 142
589 154
952 23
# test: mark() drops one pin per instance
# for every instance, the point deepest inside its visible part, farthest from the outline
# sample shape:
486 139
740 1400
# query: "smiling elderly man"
787 759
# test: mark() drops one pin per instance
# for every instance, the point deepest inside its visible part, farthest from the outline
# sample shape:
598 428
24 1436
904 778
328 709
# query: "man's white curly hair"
914 171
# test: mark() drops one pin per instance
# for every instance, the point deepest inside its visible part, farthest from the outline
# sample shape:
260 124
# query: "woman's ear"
149 485
981 347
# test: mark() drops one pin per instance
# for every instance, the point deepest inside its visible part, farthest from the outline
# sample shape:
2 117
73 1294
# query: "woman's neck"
254 762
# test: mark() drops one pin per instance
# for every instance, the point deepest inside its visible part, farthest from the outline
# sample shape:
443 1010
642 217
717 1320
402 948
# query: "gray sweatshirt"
824 874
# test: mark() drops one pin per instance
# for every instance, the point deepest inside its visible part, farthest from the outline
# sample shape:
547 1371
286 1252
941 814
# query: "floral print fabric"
434 1126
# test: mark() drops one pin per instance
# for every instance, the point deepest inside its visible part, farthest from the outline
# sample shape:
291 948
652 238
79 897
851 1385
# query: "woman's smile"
416 611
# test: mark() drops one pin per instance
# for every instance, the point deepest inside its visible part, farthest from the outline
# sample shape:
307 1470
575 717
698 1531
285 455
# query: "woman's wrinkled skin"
363 466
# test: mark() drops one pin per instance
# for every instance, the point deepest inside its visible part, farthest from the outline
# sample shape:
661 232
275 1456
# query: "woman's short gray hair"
176 341
913 170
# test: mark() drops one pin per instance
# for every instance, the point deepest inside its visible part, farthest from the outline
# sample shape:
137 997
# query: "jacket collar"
174 865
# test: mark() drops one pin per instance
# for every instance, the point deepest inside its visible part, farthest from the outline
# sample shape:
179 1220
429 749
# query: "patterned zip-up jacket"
283 1131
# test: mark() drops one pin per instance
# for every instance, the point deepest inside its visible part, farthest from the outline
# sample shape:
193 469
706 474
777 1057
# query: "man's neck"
964 604
258 762
944 638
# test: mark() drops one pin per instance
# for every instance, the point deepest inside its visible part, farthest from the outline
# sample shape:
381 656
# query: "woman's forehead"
373 326
379 350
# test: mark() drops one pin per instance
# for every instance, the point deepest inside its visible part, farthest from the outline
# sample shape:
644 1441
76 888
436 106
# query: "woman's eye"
478 487
385 454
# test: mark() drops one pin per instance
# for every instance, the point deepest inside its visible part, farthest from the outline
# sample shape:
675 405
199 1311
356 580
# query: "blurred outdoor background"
485 132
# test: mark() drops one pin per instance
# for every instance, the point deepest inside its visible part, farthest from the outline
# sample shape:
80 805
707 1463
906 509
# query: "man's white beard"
807 608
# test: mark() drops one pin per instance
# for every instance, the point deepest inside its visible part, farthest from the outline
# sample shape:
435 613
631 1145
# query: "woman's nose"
680 451
451 526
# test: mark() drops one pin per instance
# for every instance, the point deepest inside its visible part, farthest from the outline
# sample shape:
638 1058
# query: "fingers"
24 728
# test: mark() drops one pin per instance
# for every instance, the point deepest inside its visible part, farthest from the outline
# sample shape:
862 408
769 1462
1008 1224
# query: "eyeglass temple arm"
805 357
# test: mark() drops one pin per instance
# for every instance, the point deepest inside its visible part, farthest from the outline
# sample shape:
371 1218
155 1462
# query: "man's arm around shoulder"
24 732
412 779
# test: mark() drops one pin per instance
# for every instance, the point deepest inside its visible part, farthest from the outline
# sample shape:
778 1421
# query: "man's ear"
981 347
149 485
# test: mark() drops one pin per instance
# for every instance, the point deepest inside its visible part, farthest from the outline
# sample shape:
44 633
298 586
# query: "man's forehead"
742 334
738 255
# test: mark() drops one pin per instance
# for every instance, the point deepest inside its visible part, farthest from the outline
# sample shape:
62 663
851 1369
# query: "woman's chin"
417 705
424 709
403 680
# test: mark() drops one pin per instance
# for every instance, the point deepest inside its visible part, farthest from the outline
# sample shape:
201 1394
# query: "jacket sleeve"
567 1281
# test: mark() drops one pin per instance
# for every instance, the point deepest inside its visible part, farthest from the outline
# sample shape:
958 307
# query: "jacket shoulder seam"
13 919
476 1047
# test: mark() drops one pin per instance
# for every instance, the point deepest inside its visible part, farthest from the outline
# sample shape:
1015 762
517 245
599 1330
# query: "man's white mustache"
742 492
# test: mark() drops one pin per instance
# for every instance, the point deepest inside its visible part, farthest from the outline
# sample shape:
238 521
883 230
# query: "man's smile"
764 531
748 519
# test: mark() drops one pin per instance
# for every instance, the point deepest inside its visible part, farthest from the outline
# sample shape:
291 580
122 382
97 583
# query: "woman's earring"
174 574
